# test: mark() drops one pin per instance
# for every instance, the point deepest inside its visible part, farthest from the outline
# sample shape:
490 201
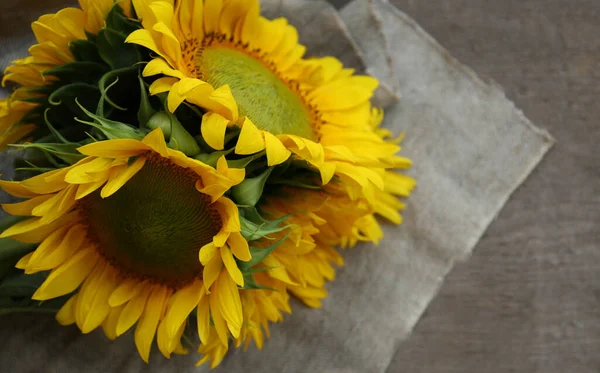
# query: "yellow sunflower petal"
231 266
56 248
203 316
133 310
229 303
16 189
182 304
213 130
120 148
109 326
24 261
120 176
158 66
67 277
162 85
218 321
26 207
211 271
239 246
207 252
212 15
66 314
251 139
229 213
124 292
145 39
91 308
87 189
146 328
277 153
156 141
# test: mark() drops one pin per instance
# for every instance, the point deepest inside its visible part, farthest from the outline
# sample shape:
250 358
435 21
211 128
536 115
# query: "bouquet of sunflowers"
183 170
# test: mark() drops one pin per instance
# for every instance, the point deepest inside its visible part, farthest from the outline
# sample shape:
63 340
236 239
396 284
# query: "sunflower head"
206 170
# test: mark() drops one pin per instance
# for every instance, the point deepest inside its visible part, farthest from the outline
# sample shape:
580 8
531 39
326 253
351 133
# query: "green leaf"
252 214
244 162
22 285
114 51
259 254
249 191
180 139
79 71
84 50
117 20
146 111
10 248
212 158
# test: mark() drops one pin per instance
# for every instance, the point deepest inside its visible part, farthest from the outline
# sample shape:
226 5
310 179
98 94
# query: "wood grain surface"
529 298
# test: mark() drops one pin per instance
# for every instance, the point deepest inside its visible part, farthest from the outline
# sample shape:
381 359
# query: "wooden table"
529 298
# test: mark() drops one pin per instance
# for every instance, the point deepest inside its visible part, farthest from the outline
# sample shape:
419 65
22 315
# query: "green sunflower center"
155 225
260 94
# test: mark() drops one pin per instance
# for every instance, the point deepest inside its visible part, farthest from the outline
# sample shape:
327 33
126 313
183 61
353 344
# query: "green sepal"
145 111
259 254
298 174
212 158
85 50
102 85
178 137
252 214
244 162
250 283
117 20
249 191
110 128
54 131
78 71
76 96
65 152
252 231
114 51
162 120
181 139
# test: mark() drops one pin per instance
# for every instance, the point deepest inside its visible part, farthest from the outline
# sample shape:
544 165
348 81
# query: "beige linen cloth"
471 148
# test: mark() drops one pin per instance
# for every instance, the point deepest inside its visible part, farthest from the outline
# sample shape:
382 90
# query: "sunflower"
259 164
38 75
249 72
136 232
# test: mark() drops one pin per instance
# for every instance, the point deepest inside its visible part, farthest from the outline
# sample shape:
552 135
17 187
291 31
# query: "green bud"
162 120
181 138
249 191
178 137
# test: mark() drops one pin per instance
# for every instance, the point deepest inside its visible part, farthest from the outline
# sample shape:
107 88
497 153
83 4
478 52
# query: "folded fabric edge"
386 71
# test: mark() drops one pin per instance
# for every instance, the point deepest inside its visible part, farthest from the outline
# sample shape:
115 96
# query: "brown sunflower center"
273 104
154 226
